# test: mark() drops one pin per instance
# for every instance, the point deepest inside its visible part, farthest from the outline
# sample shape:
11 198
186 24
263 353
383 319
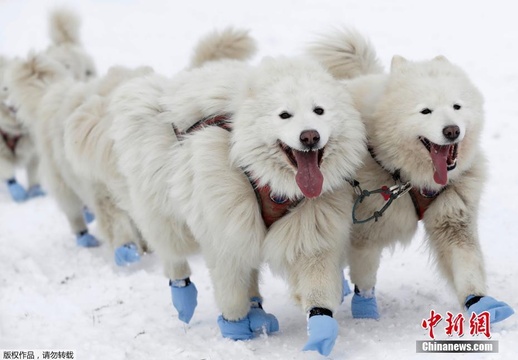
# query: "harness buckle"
356 186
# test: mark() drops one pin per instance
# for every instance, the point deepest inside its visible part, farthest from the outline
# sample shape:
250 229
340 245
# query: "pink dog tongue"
439 156
309 178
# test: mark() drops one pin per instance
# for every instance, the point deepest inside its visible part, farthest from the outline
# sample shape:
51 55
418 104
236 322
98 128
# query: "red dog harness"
272 207
9 140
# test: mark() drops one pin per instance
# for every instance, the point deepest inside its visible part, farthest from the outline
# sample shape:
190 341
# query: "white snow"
54 295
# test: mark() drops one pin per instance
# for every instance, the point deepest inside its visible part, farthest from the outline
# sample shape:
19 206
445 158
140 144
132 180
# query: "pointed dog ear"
397 61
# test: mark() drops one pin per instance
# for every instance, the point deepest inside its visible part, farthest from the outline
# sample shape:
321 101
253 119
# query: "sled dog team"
252 164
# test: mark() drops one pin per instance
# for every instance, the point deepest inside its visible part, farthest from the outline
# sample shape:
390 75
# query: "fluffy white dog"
46 96
423 123
246 164
55 70
16 147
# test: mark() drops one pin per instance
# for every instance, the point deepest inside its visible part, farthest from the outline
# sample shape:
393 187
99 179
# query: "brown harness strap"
421 202
9 140
221 121
272 207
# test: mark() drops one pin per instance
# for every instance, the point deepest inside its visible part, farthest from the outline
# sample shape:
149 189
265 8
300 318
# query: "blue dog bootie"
255 322
364 304
88 216
322 331
17 192
235 330
260 320
126 254
184 294
35 191
85 239
498 310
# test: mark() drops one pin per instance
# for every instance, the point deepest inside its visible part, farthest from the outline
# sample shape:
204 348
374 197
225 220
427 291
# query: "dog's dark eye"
426 111
318 110
88 73
456 106
285 115
5 88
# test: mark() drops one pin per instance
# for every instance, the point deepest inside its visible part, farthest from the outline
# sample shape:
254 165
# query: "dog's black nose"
309 137
451 132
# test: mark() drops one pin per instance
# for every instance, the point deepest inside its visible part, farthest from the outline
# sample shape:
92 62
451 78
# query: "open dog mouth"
309 178
444 158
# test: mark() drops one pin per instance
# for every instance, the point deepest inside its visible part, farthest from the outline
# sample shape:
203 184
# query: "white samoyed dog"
45 95
16 147
245 164
423 121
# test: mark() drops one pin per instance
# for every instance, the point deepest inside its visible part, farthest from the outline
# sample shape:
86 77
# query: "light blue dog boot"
260 320
184 294
18 193
235 330
498 310
85 239
35 191
255 322
88 215
126 254
364 305
322 331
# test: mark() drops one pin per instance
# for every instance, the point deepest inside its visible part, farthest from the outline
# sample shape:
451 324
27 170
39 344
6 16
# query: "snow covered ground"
54 295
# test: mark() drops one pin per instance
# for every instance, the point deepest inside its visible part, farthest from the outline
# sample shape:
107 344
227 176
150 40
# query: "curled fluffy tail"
346 54
229 43
64 27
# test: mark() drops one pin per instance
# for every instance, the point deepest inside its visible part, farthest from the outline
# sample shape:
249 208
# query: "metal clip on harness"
394 192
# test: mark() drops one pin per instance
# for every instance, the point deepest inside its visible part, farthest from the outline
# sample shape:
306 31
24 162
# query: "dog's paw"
85 239
256 321
126 254
35 191
88 216
235 330
364 307
322 332
17 192
498 310
260 320
184 295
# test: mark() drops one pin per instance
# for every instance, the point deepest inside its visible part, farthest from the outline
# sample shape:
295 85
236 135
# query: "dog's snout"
451 132
309 137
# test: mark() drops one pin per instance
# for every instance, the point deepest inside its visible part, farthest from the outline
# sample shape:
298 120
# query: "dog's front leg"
451 226
69 202
317 283
234 275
